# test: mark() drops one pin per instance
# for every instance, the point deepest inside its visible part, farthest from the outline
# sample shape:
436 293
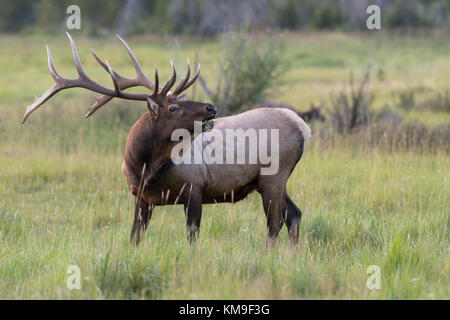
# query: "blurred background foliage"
273 53
212 17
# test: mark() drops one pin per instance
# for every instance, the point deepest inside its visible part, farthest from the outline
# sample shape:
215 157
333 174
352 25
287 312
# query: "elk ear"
182 97
152 107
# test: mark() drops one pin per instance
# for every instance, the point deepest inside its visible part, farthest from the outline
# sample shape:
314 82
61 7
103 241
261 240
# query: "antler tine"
105 99
139 73
155 91
51 66
124 82
100 61
114 79
190 82
76 58
183 82
169 82
39 101
99 102
58 86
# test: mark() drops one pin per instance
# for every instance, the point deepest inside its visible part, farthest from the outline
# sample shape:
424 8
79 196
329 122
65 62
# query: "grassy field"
63 200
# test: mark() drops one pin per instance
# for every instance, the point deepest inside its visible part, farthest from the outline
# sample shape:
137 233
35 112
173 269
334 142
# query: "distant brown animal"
153 178
314 113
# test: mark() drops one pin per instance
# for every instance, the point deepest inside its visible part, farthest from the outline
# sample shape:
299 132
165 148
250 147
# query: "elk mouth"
208 123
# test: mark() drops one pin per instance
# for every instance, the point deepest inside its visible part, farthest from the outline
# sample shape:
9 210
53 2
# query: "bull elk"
152 176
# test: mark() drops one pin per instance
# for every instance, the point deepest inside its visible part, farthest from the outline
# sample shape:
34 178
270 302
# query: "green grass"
63 200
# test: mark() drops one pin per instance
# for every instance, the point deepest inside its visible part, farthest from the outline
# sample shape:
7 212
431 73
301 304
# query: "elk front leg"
193 212
142 214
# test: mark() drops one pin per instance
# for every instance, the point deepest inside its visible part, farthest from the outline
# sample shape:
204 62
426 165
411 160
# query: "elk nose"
211 109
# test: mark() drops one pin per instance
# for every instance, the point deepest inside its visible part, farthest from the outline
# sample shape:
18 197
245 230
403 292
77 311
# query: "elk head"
167 110
315 113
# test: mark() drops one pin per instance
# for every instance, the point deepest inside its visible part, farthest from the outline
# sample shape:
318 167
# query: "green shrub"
249 67
351 109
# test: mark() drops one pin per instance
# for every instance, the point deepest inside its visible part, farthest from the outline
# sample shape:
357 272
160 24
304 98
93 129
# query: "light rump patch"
302 125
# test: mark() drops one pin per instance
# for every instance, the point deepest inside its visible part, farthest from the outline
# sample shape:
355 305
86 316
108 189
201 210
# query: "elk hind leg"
193 212
293 217
272 197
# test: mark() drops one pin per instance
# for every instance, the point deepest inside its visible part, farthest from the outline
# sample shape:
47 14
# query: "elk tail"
301 124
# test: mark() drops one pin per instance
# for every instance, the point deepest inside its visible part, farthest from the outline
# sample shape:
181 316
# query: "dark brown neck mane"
148 144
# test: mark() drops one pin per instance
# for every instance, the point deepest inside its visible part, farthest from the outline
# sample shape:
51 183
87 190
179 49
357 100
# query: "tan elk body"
155 180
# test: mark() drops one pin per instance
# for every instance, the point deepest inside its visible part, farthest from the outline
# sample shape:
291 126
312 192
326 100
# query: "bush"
248 69
353 120
350 110
409 136
439 102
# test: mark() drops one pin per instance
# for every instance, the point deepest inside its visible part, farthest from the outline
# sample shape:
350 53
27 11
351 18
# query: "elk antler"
83 81
120 83
124 83
141 80
185 83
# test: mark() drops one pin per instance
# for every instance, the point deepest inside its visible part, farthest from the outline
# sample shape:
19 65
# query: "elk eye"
173 109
